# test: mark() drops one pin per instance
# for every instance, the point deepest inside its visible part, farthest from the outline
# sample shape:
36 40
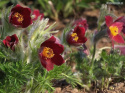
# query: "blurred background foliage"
58 9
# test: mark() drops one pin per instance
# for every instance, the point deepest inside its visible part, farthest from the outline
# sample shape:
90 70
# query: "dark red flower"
121 19
20 16
76 36
36 14
114 29
49 53
11 41
81 22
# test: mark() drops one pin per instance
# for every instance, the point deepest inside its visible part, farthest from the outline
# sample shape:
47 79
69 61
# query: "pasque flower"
36 14
121 19
49 53
114 29
76 36
20 16
11 41
81 22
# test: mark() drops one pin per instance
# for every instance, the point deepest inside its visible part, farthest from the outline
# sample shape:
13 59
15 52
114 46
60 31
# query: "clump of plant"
31 57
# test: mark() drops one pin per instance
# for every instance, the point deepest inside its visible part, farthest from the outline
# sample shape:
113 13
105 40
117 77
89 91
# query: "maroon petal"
8 38
118 39
58 60
14 38
46 63
52 39
26 11
81 22
57 48
80 31
70 40
82 40
17 8
27 21
109 20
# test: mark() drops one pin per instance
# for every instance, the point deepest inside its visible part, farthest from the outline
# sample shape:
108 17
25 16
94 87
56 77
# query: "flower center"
47 52
75 37
114 30
19 17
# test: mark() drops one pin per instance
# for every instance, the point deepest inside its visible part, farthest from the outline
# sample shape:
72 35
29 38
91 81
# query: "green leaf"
83 5
2 55
2 3
59 6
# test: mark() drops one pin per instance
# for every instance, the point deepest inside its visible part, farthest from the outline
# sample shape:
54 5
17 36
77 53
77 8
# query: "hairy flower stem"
97 37
45 74
93 55
28 56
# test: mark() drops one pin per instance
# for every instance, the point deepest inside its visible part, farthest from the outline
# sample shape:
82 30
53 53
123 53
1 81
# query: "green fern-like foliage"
43 81
14 74
23 77
103 71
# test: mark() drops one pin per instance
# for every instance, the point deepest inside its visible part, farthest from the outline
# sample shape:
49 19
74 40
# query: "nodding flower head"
81 22
11 41
76 36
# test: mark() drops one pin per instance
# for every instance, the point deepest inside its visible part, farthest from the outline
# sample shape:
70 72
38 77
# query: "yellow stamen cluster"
75 37
18 16
113 30
47 52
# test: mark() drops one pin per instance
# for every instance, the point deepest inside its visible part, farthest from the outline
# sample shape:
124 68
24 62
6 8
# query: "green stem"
76 81
50 86
45 74
98 36
35 87
93 55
